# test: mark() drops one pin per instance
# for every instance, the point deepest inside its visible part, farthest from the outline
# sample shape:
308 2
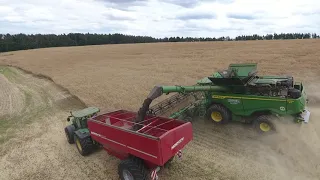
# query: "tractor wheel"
263 124
84 145
69 131
132 169
218 114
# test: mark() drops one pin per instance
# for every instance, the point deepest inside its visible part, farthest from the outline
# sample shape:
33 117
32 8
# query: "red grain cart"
144 151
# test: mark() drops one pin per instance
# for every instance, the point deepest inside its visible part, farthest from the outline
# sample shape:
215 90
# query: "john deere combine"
235 94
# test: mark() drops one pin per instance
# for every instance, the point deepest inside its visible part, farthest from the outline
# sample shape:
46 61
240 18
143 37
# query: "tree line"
21 41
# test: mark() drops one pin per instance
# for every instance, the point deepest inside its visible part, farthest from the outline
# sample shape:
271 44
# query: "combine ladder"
202 109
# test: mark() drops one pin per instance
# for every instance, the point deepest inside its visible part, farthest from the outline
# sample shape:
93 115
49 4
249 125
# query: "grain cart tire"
264 124
218 114
69 131
132 169
84 144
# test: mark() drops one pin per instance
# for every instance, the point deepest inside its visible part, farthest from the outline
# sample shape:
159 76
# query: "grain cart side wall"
175 140
122 141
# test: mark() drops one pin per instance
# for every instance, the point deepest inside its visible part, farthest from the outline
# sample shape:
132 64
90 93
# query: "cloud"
193 3
124 1
160 18
123 4
116 15
241 16
196 16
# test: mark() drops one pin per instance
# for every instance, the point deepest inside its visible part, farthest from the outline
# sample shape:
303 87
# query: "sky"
161 18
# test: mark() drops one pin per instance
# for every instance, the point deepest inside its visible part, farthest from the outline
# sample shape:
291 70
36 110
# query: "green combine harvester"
236 94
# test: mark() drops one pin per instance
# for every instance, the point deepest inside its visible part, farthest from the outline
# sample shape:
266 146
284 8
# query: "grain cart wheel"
218 114
84 144
69 130
263 124
132 169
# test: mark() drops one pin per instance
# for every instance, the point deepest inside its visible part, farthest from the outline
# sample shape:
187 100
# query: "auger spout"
157 91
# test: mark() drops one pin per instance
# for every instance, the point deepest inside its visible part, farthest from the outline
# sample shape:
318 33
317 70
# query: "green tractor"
77 131
238 94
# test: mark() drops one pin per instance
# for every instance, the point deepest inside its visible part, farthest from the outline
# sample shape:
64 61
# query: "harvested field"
120 76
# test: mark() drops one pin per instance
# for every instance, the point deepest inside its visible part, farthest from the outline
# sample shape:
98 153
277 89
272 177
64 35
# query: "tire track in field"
11 98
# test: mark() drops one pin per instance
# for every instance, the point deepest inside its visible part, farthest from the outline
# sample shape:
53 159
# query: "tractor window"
84 122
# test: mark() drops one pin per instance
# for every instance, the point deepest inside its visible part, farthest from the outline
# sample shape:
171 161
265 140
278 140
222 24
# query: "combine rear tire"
218 114
132 168
84 144
264 125
69 131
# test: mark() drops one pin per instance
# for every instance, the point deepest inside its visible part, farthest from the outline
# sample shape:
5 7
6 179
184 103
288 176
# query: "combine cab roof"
85 112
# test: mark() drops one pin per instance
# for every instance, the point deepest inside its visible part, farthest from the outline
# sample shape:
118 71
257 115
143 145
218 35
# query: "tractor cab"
79 117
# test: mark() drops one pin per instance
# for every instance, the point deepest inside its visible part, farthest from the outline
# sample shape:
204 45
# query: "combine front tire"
84 144
218 114
132 168
263 124
69 130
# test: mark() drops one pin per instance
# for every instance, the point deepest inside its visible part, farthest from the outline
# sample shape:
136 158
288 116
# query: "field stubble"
120 76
